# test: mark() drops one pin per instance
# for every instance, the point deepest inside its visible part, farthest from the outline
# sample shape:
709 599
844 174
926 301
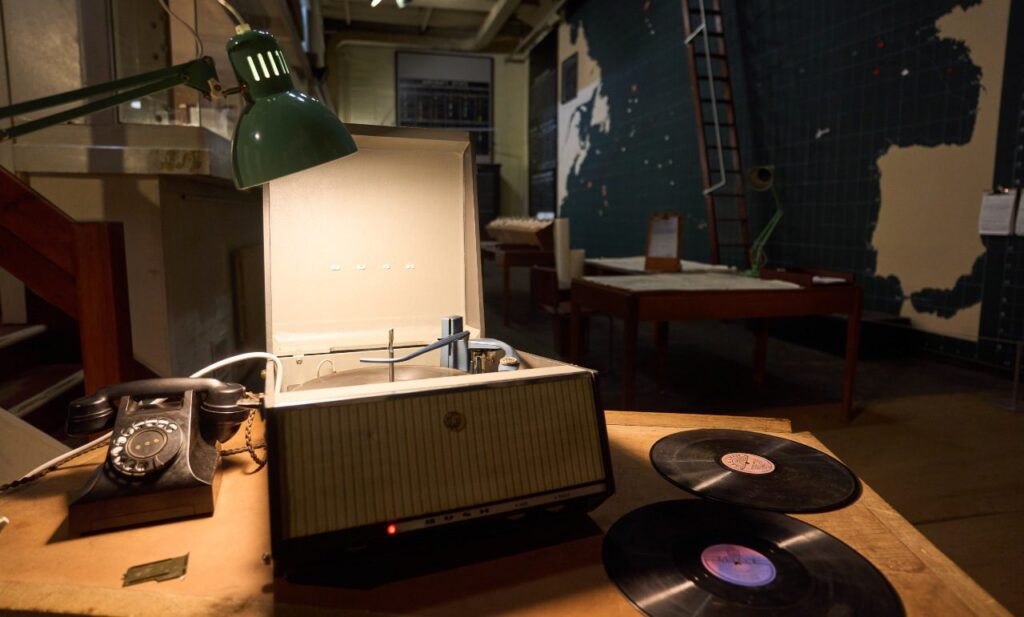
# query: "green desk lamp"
763 179
280 131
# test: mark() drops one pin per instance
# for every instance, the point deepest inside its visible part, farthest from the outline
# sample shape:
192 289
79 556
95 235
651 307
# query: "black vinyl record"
754 470
693 557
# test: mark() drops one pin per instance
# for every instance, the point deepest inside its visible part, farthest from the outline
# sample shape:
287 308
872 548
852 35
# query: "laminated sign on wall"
997 214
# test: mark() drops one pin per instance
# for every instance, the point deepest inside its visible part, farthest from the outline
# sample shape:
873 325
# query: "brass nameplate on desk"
163 570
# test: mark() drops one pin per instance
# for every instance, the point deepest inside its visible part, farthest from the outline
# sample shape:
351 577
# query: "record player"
397 416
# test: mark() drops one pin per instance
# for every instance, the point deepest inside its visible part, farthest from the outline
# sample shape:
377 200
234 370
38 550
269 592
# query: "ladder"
717 139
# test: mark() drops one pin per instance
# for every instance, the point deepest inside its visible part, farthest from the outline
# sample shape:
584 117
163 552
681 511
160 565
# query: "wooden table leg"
852 347
760 327
505 270
630 325
575 331
661 345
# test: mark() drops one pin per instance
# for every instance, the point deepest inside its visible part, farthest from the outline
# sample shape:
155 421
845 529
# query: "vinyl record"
694 557
754 470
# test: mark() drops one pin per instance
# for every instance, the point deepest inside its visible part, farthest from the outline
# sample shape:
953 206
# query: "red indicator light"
392 529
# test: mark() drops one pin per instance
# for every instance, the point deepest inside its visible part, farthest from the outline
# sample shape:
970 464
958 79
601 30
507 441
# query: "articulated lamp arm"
199 74
281 130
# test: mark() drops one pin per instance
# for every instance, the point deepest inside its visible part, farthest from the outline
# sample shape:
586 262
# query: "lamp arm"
199 74
757 248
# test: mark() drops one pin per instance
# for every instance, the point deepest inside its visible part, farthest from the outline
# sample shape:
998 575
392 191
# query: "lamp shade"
281 130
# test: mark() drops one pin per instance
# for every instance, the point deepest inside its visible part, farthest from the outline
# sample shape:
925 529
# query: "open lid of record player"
384 238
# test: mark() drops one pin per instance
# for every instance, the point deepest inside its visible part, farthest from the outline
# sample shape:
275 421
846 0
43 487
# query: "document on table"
635 265
703 281
997 213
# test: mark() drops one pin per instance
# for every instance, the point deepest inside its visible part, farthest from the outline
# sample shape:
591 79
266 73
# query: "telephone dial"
163 461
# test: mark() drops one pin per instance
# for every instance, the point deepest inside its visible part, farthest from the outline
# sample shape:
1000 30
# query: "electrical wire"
54 463
252 355
99 442
195 35
249 447
235 14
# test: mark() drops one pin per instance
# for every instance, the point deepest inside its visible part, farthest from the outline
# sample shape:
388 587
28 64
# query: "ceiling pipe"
493 23
547 23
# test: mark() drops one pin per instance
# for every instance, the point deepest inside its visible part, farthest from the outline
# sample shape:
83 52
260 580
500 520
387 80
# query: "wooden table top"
42 570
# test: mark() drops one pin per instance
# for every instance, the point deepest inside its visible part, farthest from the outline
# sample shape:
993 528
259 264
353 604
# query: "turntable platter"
377 374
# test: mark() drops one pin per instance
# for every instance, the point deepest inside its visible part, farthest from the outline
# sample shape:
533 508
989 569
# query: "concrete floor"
928 435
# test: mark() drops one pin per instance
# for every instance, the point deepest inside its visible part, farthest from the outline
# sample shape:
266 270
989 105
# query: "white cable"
57 461
278 366
230 9
70 455
195 35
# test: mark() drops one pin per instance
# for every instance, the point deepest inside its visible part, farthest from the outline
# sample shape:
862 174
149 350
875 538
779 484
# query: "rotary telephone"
162 462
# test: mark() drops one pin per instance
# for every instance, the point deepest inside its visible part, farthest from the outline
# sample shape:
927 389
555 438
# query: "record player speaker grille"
349 465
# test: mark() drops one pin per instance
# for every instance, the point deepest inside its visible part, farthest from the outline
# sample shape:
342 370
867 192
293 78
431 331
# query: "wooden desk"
42 571
509 256
665 305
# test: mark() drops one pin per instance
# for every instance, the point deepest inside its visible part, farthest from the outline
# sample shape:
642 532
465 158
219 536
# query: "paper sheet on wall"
996 216
1020 221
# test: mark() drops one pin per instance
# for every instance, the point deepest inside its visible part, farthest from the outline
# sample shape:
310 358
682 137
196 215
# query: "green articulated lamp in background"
763 179
281 130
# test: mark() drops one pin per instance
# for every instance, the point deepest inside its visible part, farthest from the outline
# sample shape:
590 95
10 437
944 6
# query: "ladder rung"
717 194
720 124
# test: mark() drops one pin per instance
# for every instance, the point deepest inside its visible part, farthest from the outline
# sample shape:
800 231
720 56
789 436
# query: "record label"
745 462
738 565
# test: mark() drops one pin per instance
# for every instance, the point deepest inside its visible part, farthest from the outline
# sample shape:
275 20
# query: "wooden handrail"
37 222
77 267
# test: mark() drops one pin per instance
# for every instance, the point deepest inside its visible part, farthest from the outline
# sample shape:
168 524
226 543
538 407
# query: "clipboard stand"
664 242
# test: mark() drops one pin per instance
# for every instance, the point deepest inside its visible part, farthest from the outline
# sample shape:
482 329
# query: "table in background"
509 256
629 298
44 571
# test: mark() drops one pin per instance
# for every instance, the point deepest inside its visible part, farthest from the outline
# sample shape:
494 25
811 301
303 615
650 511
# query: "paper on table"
635 265
996 216
827 280
705 281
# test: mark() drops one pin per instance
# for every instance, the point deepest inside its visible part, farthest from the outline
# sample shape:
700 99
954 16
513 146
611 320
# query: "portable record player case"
387 239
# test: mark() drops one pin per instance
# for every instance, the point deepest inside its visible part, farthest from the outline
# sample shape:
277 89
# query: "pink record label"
744 462
738 565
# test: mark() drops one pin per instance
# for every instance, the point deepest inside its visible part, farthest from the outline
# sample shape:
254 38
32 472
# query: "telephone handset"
162 461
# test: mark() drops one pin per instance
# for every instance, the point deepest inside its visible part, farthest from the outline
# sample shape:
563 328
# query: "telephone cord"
249 447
